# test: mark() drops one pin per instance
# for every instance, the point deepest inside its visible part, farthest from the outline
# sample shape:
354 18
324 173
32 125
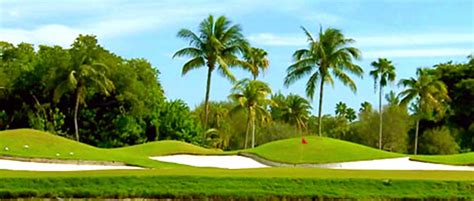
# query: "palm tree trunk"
253 132
320 105
380 117
206 100
247 131
76 110
416 135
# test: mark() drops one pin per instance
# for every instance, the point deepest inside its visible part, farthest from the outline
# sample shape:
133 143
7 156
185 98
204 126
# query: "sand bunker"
240 162
229 162
35 166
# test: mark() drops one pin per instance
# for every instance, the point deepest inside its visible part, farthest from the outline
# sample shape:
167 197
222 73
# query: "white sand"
34 166
229 162
240 162
395 164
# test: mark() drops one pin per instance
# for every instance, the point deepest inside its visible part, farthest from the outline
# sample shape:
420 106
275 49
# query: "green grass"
318 150
229 187
455 159
186 182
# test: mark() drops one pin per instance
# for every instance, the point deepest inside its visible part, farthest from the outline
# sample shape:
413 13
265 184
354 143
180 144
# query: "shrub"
438 141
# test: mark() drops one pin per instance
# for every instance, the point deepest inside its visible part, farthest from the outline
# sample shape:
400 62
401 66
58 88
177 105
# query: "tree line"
88 93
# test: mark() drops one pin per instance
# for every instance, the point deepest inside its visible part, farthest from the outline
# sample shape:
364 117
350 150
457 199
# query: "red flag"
303 141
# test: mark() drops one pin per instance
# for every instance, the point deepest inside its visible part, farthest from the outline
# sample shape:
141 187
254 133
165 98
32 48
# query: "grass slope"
45 145
455 159
166 147
318 150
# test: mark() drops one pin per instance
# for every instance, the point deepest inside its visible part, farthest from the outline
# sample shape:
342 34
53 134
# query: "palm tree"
251 96
327 56
85 73
392 98
217 44
256 61
341 109
295 110
365 106
350 114
383 72
430 93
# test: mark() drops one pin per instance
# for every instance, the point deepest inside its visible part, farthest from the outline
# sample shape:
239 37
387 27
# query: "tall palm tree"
217 44
256 61
383 72
430 93
251 96
326 57
295 110
85 74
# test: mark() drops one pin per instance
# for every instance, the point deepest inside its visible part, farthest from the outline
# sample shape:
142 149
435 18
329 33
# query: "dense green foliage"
122 102
395 132
438 141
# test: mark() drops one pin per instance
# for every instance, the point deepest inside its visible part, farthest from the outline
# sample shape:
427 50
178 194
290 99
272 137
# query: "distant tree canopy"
39 89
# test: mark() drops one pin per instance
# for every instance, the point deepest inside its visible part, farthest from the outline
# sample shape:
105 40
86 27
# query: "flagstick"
301 149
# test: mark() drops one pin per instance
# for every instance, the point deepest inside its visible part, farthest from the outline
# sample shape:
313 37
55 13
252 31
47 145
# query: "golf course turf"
166 180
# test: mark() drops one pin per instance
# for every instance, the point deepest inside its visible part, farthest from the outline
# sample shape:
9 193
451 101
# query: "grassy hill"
455 159
318 150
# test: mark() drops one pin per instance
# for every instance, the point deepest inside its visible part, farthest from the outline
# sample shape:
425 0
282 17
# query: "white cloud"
270 39
123 19
404 45
50 35
324 18
415 39
431 52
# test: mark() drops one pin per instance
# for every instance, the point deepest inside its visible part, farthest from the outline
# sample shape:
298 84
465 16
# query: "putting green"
318 150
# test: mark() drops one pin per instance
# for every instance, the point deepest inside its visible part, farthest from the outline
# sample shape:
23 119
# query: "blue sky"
410 33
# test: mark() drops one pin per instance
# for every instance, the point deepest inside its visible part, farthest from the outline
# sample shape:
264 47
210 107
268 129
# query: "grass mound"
455 159
318 150
31 143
